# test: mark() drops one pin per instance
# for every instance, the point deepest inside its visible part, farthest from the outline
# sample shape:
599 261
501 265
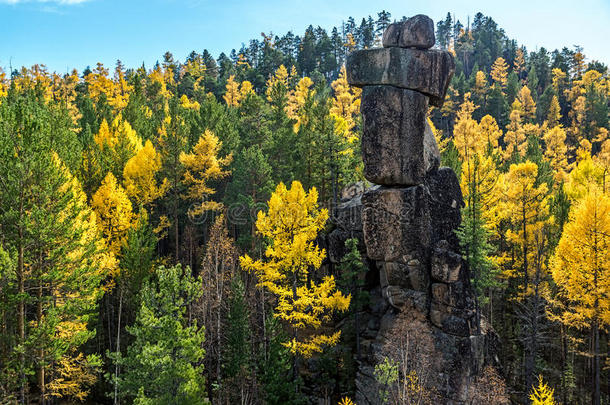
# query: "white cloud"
60 2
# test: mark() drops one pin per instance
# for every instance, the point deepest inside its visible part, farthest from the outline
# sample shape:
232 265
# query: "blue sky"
66 34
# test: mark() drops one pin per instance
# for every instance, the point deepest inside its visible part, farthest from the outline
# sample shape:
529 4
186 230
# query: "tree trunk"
41 384
118 348
596 394
21 315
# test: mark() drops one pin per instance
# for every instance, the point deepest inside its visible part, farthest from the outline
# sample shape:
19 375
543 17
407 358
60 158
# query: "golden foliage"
298 101
114 212
116 92
528 105
499 72
277 88
526 206
519 62
554 115
466 134
139 176
542 394
75 375
581 264
202 166
345 105
292 223
585 178
556 151
515 138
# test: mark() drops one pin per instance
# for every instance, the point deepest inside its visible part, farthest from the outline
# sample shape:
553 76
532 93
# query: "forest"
159 225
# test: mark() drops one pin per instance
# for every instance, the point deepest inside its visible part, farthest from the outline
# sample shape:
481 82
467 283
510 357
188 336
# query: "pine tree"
163 364
278 384
56 251
238 357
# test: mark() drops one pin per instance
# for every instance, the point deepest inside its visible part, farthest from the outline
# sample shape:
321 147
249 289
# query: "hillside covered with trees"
148 214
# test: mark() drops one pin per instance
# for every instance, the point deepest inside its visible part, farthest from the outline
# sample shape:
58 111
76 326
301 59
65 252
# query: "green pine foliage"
163 364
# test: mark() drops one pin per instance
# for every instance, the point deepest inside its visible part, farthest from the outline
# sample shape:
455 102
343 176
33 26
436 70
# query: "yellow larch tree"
603 160
114 212
585 177
515 138
526 206
292 224
157 84
558 78
277 88
581 270
466 134
35 78
528 105
189 104
117 143
77 285
491 132
245 89
202 166
232 95
3 85
481 87
556 151
542 394
297 102
197 69
350 42
554 114
116 93
345 104
499 72
578 64
139 176
122 89
519 62
476 143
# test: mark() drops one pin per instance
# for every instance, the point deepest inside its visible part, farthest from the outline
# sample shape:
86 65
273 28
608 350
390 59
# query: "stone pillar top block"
426 71
415 32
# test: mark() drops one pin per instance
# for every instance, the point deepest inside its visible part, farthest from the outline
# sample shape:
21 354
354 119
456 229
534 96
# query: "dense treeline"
135 265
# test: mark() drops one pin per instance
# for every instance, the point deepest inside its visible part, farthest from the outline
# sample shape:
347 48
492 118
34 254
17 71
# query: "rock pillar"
409 216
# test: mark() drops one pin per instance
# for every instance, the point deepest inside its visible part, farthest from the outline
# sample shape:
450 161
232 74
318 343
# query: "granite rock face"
393 122
396 223
416 32
426 71
406 222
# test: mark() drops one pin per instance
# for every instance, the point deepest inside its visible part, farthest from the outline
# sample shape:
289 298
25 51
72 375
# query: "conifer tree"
238 356
580 267
499 72
202 166
56 252
542 394
163 364
292 224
